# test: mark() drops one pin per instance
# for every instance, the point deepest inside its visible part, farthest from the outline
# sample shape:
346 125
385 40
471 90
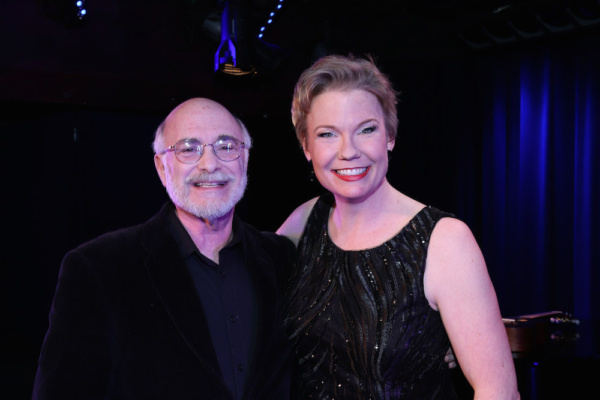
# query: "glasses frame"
200 149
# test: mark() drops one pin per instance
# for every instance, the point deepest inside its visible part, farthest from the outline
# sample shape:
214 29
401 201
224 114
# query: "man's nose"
208 159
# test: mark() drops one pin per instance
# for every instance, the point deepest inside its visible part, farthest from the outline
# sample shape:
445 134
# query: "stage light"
585 13
80 10
233 54
71 12
226 50
528 21
269 20
240 54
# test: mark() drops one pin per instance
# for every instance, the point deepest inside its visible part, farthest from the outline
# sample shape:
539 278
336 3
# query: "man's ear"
160 168
246 158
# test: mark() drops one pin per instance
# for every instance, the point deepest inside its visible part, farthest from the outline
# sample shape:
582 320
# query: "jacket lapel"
261 268
174 286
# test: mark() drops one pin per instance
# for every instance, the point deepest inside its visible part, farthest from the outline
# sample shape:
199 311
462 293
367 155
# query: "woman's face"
347 143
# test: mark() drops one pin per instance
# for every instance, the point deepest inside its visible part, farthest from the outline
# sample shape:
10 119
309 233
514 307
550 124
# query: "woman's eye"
325 134
369 129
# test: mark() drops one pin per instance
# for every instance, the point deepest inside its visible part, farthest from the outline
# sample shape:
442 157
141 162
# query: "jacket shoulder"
270 240
114 242
120 243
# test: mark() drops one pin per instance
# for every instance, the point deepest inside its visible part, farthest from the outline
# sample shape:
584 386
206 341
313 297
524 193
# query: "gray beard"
209 210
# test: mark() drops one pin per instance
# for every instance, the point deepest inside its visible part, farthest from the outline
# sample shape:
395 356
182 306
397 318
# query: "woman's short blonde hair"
341 73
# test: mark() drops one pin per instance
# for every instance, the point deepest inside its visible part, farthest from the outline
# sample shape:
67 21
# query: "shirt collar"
184 241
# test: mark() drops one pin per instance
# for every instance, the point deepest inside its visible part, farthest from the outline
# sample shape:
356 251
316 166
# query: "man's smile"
209 184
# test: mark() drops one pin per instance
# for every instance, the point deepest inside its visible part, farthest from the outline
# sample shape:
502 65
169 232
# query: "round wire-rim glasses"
189 151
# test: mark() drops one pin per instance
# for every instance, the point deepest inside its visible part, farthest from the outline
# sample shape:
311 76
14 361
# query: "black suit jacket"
126 321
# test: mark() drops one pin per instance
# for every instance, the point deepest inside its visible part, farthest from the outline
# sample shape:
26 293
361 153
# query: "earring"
311 174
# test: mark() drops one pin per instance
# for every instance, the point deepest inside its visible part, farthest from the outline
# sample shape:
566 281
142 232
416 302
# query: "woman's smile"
351 174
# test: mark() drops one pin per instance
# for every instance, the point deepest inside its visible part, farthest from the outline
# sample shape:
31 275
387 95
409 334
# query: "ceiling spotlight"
233 56
81 11
585 14
270 19
70 12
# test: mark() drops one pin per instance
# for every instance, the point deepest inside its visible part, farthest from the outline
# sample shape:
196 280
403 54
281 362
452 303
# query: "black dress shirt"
228 297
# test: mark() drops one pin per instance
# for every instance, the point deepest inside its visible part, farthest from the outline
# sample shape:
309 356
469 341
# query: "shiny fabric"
359 320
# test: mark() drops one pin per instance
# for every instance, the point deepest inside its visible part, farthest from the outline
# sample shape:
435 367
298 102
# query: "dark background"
80 100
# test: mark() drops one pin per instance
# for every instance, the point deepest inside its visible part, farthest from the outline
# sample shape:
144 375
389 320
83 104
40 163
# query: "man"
186 305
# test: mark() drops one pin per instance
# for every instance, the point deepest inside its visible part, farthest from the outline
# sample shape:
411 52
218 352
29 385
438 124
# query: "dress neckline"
399 232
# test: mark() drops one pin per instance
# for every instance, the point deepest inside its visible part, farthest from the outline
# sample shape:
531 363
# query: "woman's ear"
305 148
390 144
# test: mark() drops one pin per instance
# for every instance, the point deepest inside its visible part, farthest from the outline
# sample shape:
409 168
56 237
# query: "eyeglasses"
189 151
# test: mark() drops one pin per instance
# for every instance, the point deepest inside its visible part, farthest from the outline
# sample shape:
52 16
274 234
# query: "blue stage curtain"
540 178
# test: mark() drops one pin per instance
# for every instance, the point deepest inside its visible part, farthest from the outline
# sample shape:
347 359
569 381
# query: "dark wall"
72 172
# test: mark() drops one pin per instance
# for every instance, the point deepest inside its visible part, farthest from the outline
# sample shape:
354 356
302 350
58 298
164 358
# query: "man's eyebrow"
227 136
222 136
189 139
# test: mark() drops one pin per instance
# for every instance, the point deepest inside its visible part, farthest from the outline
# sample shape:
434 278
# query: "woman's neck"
368 223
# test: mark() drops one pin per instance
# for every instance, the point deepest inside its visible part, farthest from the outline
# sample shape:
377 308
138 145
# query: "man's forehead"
203 127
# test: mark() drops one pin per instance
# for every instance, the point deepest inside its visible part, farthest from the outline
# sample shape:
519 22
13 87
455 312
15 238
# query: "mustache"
218 176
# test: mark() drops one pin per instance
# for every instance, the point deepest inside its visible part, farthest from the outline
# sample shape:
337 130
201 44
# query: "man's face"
209 188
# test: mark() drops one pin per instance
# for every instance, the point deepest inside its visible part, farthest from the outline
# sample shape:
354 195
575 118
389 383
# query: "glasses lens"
228 149
188 151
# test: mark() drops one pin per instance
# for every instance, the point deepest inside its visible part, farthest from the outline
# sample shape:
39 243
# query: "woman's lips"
351 174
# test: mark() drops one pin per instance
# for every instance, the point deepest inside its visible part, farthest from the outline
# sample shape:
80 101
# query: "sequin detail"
359 320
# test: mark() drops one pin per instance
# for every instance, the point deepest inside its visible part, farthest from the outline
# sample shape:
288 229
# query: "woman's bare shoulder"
294 224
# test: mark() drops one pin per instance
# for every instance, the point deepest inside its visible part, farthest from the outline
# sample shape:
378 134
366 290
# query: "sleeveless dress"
359 321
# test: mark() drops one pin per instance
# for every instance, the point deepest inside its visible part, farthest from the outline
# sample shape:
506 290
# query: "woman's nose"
348 149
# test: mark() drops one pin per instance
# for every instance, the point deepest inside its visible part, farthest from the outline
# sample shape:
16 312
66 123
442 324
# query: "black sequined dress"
359 320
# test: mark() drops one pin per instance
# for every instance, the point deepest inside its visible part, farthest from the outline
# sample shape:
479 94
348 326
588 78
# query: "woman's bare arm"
457 283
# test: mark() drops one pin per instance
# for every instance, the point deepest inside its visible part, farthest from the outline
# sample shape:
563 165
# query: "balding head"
209 187
198 108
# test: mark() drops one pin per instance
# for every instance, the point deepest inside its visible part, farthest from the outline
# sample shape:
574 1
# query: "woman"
384 284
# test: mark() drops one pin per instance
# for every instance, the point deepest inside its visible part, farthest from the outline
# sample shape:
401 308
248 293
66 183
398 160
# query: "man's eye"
228 146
